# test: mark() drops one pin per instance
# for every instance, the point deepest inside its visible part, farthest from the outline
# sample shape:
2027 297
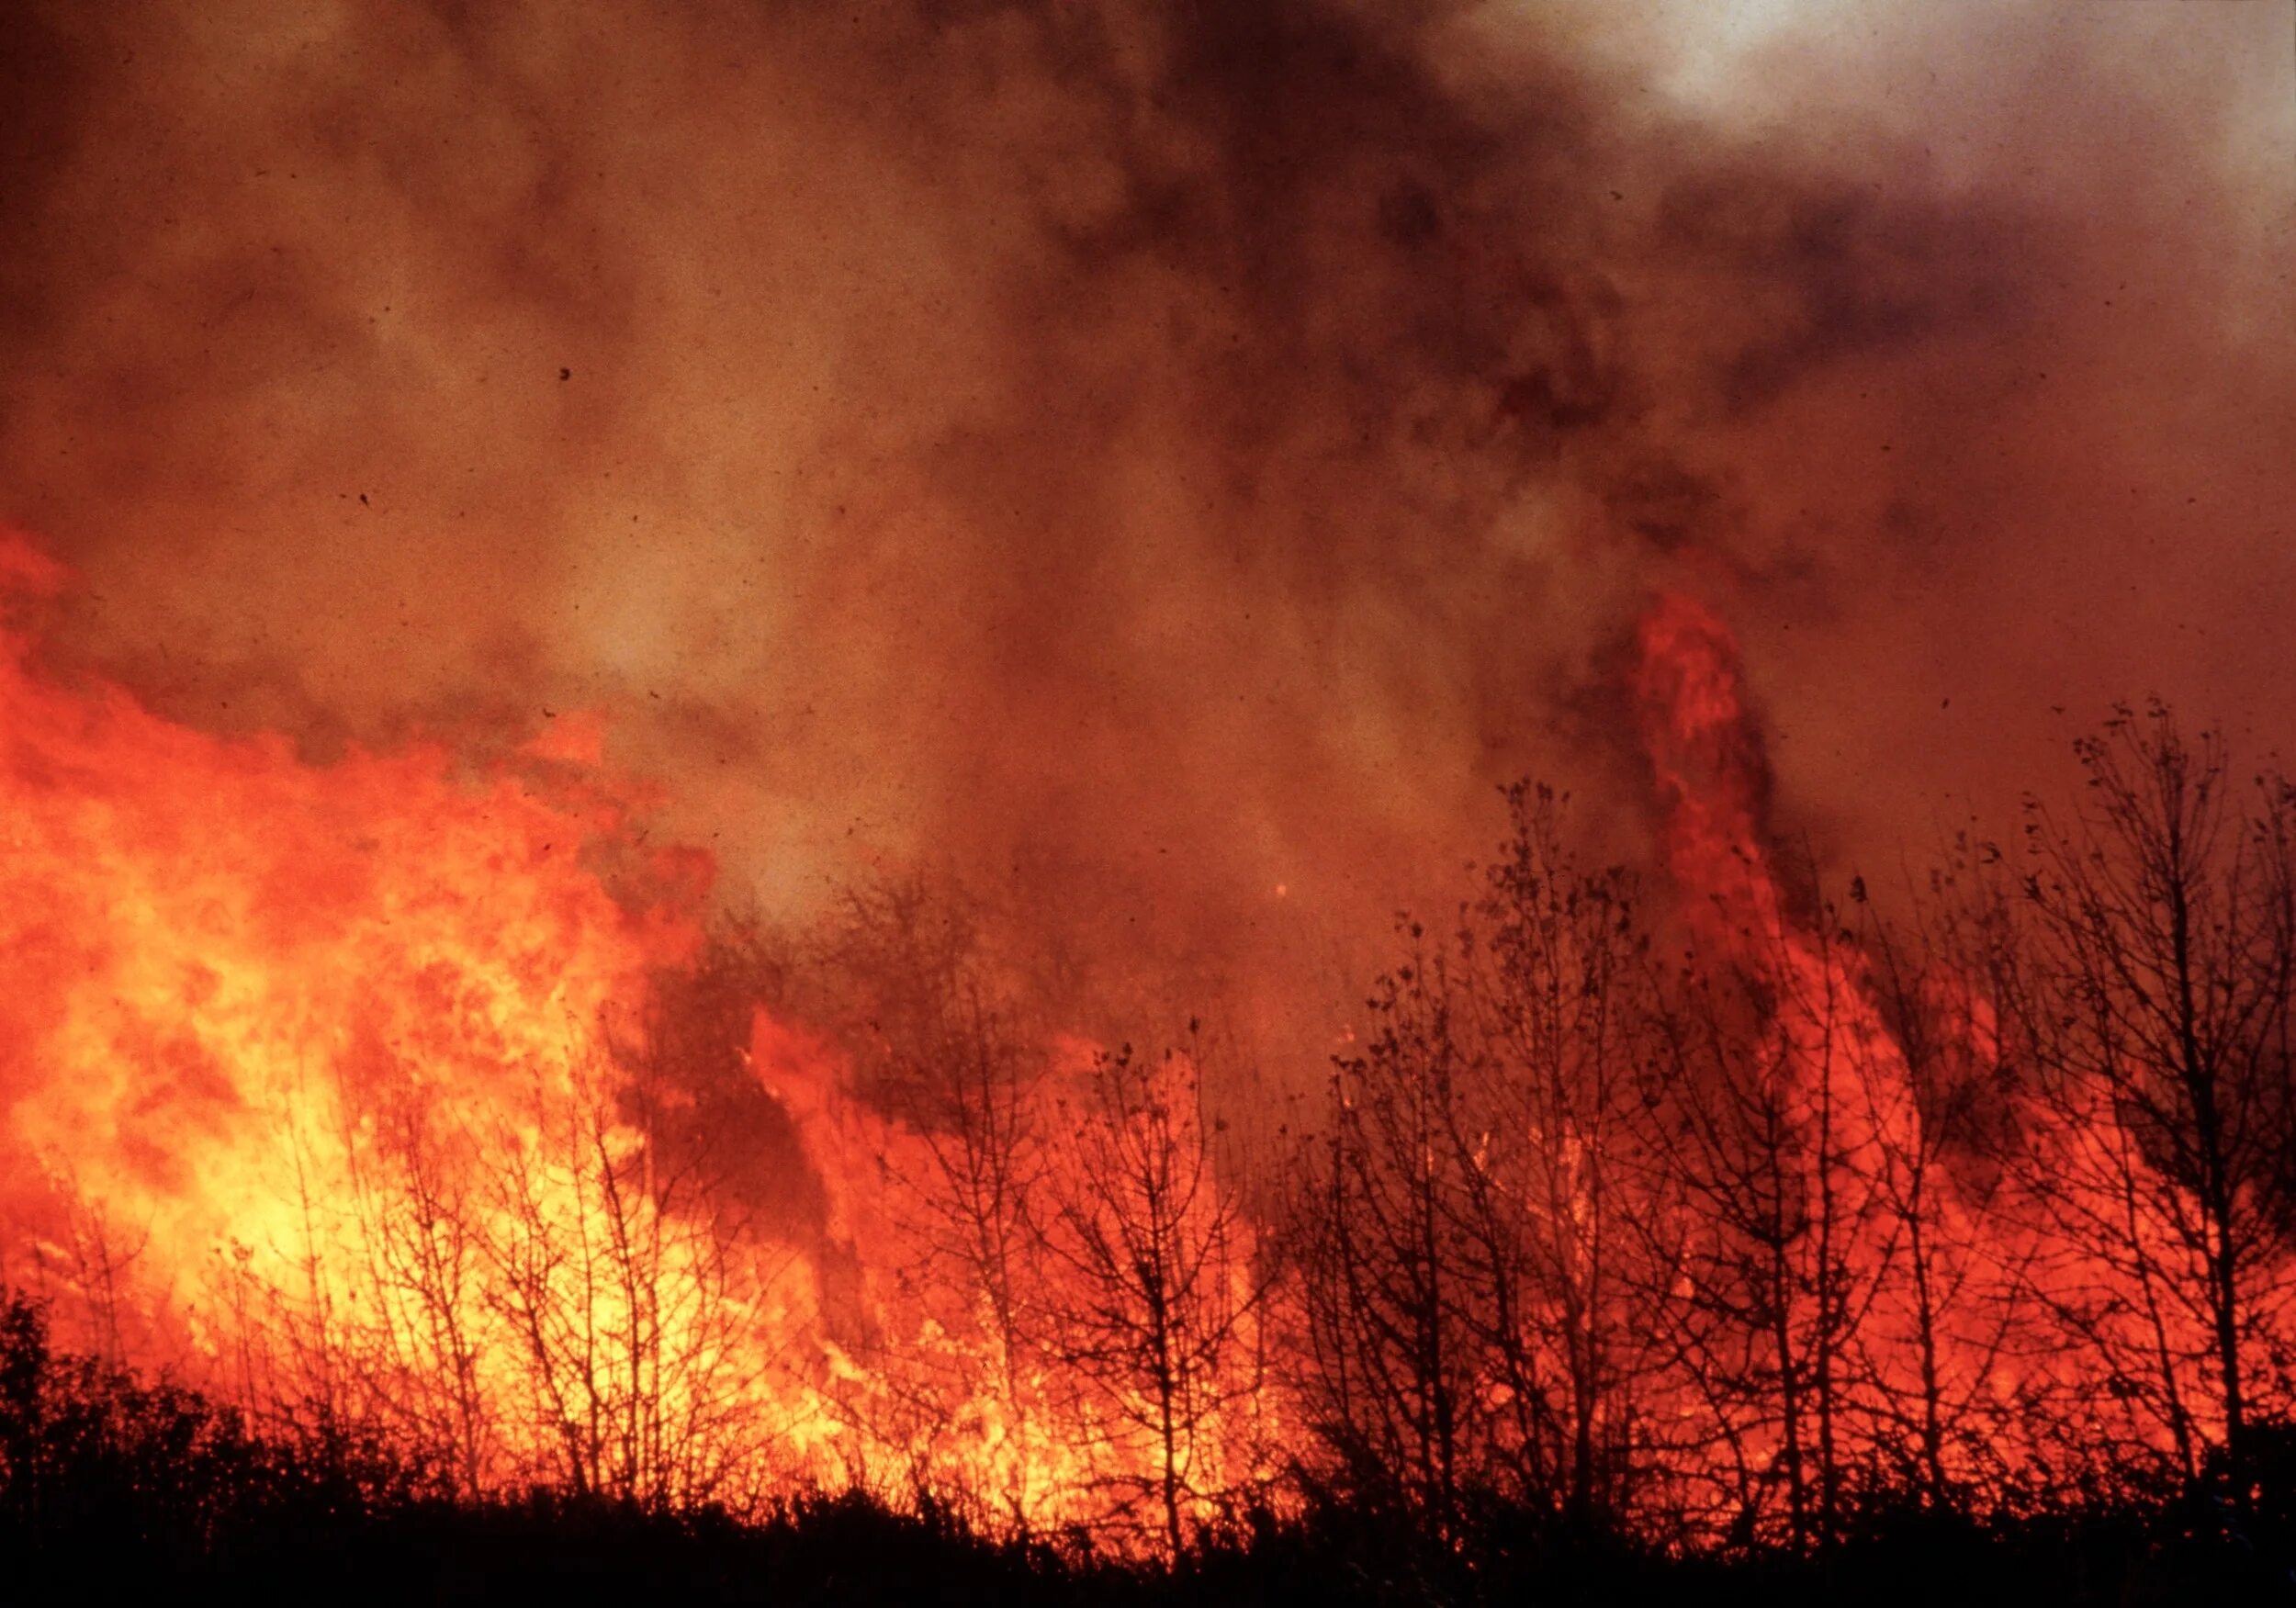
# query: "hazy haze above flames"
1143 456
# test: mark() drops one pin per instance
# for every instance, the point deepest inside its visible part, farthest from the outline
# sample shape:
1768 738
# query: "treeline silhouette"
110 1484
1935 1241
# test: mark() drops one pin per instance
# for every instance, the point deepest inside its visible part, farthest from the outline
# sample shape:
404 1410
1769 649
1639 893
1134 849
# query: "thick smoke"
1141 456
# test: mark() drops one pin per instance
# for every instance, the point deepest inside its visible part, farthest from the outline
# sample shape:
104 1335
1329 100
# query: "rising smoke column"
1138 456
1140 460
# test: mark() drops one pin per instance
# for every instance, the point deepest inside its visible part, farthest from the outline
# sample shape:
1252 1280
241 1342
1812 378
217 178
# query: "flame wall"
1161 466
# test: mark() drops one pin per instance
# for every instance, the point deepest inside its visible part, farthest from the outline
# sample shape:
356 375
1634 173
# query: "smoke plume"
1165 464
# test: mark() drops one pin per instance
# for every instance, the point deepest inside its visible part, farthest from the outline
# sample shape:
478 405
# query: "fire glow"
334 1094
711 717
330 1093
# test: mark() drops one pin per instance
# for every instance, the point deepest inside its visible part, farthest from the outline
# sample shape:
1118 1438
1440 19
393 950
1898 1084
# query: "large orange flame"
1964 1297
326 1085
319 1089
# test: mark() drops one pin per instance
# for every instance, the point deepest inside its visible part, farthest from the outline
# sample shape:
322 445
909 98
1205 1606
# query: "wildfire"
321 1088
333 1088
1902 1273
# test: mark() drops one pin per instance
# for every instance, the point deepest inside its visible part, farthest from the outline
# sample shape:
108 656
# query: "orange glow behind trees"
387 1093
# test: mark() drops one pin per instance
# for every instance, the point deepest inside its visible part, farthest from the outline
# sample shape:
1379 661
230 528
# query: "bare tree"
1459 1232
1154 1282
1954 1319
423 1246
1775 1110
945 1051
2154 992
1558 995
620 1283
1399 1342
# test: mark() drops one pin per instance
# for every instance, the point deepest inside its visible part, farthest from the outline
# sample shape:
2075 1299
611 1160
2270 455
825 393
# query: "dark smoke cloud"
1139 456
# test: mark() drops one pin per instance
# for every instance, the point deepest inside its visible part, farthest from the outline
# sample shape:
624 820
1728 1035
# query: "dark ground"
112 1488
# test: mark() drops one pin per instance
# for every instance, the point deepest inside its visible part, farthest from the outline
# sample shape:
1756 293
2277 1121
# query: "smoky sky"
1141 456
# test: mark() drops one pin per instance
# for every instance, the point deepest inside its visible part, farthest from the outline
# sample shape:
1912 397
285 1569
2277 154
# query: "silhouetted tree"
1154 1279
2152 980
1458 1236
1955 1318
621 1282
945 1051
1776 1114
1399 1340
